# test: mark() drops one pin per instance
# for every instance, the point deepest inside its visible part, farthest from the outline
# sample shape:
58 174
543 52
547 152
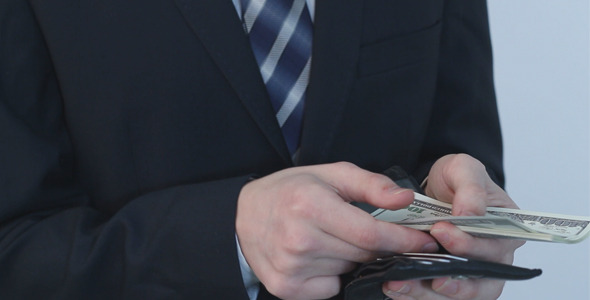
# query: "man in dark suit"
139 149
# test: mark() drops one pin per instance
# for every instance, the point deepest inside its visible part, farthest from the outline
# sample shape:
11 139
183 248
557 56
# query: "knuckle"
463 160
375 179
454 163
333 288
302 205
281 286
298 242
369 239
286 265
345 165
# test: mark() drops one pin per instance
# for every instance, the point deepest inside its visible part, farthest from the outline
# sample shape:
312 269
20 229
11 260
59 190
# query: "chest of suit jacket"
169 92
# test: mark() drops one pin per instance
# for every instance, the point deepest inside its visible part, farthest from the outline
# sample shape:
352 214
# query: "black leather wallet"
368 277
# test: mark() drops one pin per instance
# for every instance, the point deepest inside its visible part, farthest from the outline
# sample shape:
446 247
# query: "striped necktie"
280 33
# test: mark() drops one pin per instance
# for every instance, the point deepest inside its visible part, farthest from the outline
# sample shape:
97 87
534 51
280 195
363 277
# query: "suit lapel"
337 32
217 25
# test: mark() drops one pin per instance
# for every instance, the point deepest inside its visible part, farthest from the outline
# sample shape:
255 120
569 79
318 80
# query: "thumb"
461 180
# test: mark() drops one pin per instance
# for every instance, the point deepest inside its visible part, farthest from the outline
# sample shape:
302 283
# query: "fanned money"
497 223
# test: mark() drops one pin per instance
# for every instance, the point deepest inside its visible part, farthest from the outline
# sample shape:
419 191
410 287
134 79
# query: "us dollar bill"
497 223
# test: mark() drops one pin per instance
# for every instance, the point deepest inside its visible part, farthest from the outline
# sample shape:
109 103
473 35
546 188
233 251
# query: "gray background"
541 60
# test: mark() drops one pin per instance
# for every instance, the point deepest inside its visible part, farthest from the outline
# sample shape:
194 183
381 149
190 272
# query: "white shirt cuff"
248 276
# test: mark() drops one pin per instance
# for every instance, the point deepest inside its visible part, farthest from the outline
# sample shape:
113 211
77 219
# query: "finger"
410 290
398 289
330 246
461 243
470 200
312 252
355 184
321 287
462 180
473 198
321 233
356 227
321 205
468 288
313 267
466 179
444 289
330 267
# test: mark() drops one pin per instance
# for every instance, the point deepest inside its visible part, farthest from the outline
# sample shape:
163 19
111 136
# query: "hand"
463 181
298 231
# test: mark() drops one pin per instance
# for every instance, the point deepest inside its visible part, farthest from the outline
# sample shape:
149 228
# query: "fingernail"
403 290
392 189
442 236
396 189
449 287
430 247
400 190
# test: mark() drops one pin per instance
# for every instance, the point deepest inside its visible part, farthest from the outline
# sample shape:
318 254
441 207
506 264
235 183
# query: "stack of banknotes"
497 223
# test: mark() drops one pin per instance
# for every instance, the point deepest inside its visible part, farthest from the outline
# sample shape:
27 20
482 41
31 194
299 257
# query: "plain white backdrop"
542 74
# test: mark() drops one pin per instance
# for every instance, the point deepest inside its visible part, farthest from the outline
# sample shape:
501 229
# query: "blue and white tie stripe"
280 33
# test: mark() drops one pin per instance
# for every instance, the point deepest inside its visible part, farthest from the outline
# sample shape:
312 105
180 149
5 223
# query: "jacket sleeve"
464 117
175 243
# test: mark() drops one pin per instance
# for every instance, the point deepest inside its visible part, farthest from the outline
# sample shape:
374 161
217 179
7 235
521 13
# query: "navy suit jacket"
128 128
